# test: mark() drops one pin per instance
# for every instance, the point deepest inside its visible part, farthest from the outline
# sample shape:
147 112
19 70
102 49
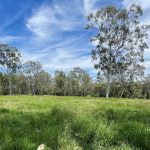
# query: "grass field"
73 123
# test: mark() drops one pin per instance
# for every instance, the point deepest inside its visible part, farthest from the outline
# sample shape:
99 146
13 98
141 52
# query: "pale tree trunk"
9 81
70 88
33 86
108 87
145 94
121 93
33 89
83 90
10 85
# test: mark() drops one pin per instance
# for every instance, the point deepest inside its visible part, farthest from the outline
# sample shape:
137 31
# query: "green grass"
74 123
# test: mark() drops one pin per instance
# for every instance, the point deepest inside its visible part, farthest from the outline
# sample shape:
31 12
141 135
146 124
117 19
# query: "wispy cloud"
66 60
61 59
89 6
10 38
52 20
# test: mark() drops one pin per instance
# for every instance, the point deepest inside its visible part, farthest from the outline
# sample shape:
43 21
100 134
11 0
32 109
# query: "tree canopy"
120 39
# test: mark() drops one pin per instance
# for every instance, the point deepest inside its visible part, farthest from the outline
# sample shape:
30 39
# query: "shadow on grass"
4 110
119 115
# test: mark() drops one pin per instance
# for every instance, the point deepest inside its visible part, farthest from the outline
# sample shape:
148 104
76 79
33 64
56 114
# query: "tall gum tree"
120 40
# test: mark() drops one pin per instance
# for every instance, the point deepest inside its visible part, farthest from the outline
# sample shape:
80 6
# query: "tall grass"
73 123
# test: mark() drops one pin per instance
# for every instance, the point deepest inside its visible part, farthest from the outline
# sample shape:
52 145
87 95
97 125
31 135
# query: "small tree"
10 59
120 41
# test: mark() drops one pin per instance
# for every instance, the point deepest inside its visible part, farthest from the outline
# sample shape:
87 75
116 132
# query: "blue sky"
52 31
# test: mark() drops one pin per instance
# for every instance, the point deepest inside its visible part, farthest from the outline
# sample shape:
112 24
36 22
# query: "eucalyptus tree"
78 82
59 83
31 69
10 60
72 83
120 39
83 79
43 83
21 84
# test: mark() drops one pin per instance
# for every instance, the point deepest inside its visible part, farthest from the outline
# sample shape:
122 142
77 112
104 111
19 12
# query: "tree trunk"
70 88
32 88
9 81
10 85
145 95
122 92
108 88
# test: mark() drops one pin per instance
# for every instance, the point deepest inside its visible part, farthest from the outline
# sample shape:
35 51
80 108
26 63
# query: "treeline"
31 79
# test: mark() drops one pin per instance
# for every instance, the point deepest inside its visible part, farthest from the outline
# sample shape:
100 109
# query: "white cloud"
147 67
48 21
59 17
9 38
43 22
40 21
68 62
89 6
61 59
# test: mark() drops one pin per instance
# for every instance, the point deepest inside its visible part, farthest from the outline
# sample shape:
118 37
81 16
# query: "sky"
53 31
